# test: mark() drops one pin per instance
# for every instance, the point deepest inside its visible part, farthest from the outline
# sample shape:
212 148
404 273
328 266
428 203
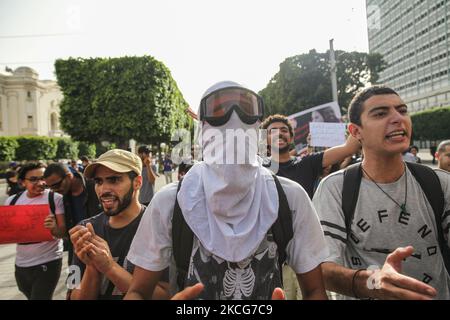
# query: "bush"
431 124
86 149
36 148
8 146
67 149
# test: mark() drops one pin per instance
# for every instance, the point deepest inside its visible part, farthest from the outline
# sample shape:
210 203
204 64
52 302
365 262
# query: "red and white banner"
24 223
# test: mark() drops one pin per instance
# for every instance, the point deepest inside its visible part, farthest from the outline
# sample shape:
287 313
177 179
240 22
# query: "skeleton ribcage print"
238 282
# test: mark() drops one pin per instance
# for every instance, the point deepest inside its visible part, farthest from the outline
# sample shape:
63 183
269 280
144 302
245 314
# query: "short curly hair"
29 167
278 118
356 105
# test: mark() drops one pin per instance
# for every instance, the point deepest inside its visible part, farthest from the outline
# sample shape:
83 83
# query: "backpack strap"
16 197
350 193
182 242
51 202
183 237
428 181
282 228
431 186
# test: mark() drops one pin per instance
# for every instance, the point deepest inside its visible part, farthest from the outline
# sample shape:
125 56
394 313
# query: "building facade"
29 106
413 37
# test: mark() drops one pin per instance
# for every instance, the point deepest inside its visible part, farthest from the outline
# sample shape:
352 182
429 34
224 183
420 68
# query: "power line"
27 62
39 35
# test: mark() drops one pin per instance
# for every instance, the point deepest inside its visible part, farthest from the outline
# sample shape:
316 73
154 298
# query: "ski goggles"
217 107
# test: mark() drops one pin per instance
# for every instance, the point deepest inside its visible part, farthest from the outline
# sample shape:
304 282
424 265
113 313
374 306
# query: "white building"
414 38
29 106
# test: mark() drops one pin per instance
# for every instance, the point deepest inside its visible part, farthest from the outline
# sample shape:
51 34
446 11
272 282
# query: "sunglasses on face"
56 185
34 180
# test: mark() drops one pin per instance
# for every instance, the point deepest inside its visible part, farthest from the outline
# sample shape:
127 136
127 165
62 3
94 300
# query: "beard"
284 149
123 203
275 149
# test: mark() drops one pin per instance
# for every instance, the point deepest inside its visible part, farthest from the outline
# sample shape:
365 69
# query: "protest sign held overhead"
329 112
327 134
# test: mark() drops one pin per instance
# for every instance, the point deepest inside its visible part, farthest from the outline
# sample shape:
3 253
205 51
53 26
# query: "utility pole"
333 72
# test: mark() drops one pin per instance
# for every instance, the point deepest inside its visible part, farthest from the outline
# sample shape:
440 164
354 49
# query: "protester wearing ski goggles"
217 107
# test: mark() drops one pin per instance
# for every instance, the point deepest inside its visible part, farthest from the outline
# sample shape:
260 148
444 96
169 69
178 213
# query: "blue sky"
200 41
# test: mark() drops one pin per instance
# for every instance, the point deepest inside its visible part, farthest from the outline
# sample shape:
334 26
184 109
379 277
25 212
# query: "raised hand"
80 236
389 283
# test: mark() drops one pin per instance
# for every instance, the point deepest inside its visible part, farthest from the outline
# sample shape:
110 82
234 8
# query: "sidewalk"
426 158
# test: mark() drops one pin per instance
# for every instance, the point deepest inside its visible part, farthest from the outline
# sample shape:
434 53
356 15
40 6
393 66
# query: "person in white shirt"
38 265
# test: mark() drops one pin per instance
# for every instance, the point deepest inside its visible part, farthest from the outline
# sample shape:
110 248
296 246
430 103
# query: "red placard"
24 223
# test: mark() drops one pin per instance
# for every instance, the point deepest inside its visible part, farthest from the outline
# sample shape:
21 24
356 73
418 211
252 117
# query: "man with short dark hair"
148 176
443 155
79 198
414 150
307 170
390 248
167 168
84 162
11 176
101 243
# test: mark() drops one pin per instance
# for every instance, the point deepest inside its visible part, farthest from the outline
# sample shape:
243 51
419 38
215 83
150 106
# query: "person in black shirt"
14 186
101 243
307 170
79 197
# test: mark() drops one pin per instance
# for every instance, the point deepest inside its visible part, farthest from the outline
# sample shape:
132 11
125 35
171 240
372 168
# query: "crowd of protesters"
241 229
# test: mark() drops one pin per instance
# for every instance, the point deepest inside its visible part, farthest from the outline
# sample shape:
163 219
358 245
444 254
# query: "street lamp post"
333 72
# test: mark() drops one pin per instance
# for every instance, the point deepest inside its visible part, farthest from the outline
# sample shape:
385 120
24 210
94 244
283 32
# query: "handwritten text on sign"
325 134
24 223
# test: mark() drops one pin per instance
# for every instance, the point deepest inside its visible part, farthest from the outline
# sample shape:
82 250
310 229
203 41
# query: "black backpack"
51 202
428 181
183 237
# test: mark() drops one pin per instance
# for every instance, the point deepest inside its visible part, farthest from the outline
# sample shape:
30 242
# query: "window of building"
30 122
53 122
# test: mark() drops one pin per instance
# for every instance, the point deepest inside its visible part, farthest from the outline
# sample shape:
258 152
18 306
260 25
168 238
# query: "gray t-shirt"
379 227
146 192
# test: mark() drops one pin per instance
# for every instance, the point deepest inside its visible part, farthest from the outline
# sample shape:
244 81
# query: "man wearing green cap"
101 243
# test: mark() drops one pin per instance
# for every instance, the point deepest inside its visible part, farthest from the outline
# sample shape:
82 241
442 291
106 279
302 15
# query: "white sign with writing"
325 134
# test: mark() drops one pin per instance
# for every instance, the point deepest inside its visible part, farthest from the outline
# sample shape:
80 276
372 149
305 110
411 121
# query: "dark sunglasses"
35 179
56 185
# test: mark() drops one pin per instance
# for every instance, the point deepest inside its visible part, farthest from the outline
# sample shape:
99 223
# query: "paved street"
8 288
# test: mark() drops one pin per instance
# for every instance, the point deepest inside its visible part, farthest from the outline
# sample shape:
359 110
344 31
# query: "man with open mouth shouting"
386 221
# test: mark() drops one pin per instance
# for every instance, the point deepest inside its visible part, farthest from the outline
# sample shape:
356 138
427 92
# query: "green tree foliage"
118 99
304 80
432 124
101 149
8 146
36 148
86 149
67 149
